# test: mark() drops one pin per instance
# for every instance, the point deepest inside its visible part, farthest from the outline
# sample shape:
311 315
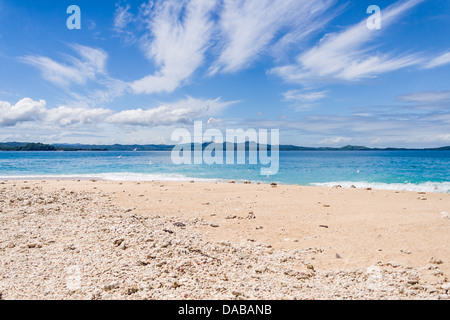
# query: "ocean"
427 171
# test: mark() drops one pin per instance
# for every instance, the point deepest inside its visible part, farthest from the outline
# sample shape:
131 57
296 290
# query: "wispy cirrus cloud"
183 36
122 17
90 63
426 97
438 61
303 100
347 55
248 27
302 96
178 35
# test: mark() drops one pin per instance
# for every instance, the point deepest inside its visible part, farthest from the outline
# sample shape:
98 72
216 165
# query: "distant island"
17 146
24 146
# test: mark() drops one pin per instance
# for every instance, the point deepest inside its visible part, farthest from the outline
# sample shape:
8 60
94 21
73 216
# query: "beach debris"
236 294
259 227
231 182
168 231
310 267
214 225
393 264
142 263
34 246
251 215
231 217
323 226
406 252
352 186
179 224
422 198
446 287
445 215
368 189
326 206
166 244
198 251
111 286
274 185
131 291
337 187
118 242
157 263
247 182
435 261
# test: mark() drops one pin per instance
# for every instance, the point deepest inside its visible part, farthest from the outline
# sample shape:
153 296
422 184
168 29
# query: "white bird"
119 157
135 149
150 162
210 120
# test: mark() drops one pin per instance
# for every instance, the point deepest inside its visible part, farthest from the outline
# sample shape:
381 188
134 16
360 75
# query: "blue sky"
137 70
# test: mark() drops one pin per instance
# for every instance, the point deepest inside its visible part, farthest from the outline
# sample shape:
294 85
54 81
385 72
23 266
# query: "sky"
138 70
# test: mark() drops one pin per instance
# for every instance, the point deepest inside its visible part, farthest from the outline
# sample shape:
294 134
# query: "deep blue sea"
393 170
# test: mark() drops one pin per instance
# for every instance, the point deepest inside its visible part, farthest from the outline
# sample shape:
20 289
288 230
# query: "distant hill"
24 146
18 146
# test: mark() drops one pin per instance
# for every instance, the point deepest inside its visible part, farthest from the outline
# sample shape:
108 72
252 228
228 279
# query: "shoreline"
360 185
306 236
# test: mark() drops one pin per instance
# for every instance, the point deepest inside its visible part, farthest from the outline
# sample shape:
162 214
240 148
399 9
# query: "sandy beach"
182 240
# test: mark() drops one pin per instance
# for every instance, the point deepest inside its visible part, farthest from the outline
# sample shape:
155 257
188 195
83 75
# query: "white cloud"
37 113
336 141
426 97
346 56
65 116
184 111
179 35
78 71
298 95
122 17
28 110
248 27
23 111
439 61
303 101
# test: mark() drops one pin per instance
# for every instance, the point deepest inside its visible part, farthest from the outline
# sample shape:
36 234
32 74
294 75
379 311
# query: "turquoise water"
394 170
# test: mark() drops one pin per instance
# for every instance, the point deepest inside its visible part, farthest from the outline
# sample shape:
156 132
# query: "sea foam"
439 187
